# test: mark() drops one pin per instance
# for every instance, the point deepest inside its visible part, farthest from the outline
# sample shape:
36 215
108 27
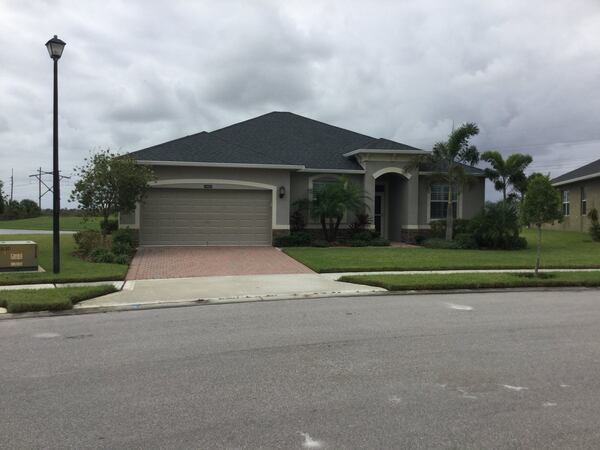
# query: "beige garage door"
206 217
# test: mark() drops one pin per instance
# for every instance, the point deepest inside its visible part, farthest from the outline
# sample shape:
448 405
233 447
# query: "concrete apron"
225 289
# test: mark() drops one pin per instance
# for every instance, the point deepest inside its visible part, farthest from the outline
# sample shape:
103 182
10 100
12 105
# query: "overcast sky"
137 73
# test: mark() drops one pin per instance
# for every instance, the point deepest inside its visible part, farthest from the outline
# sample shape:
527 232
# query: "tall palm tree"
447 162
509 173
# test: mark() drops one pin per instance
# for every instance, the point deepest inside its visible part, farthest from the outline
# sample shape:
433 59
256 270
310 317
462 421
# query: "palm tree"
507 173
329 204
447 162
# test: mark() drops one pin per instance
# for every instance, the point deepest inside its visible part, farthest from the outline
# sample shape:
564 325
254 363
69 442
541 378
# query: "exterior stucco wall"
470 201
198 177
575 221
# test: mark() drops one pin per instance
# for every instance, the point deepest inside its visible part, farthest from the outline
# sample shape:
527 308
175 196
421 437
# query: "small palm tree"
447 162
506 173
331 202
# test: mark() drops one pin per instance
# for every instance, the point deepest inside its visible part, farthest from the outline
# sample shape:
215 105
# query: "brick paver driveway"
184 262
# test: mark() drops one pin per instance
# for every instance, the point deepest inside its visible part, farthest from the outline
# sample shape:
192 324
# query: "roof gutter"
384 151
209 164
574 180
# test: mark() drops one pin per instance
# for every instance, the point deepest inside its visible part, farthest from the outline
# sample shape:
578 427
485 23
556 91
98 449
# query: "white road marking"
309 442
395 399
565 385
465 394
46 335
549 404
459 307
514 388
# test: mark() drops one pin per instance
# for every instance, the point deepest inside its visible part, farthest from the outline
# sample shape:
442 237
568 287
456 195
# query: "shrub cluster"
497 226
116 248
295 239
25 209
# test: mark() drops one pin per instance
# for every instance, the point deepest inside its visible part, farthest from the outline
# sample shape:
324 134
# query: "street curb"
216 302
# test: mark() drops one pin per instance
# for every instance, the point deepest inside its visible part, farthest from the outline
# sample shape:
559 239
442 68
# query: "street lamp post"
55 48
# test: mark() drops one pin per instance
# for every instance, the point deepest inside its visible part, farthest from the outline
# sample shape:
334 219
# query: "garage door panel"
206 217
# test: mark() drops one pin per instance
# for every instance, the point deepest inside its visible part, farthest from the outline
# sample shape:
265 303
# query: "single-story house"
238 185
579 192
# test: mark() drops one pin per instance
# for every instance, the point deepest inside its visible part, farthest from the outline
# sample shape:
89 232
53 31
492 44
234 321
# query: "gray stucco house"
237 185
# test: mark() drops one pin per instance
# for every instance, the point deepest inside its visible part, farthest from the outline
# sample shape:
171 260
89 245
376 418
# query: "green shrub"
320 243
466 241
124 236
497 226
101 255
364 235
459 226
121 259
419 239
297 239
87 241
595 225
359 243
121 248
379 242
109 226
440 244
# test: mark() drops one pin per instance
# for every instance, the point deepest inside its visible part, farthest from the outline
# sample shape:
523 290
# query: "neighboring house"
237 185
579 192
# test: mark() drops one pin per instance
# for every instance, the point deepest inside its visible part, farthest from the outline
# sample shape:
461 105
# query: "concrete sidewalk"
338 275
225 288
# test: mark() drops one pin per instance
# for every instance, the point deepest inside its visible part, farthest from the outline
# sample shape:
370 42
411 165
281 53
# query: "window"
439 202
583 202
566 205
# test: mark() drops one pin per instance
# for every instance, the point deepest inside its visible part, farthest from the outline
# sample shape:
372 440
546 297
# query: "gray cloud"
139 73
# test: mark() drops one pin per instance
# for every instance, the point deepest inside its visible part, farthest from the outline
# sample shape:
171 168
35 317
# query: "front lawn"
67 223
58 299
399 282
560 249
72 268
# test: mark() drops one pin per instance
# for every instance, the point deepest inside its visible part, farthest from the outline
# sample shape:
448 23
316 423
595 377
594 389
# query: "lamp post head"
55 47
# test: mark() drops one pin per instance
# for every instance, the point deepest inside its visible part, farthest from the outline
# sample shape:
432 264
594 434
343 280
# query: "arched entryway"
390 202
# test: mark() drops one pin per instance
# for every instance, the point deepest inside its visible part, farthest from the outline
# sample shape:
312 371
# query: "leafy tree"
541 205
109 183
595 224
506 173
29 208
2 197
447 162
329 204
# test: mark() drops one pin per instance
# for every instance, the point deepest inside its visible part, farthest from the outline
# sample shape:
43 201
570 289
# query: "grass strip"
44 222
560 250
27 300
399 282
73 268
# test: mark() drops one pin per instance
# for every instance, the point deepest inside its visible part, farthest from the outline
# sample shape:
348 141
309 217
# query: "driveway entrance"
185 262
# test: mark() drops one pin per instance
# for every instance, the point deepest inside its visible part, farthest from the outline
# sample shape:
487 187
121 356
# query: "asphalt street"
472 371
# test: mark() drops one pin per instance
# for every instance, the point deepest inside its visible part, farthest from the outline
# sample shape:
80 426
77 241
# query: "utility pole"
12 183
39 176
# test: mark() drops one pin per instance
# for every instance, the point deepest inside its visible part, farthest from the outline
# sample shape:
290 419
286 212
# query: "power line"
39 176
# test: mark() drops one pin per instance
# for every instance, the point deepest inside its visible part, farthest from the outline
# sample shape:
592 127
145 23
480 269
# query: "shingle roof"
281 138
441 168
588 170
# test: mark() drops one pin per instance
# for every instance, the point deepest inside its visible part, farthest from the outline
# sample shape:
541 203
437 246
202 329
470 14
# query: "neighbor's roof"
590 170
281 138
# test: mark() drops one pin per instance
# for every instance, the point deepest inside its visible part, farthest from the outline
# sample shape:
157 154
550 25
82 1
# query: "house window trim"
459 203
566 204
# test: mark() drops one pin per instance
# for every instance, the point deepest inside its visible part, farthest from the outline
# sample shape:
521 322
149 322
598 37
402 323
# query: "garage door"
206 217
